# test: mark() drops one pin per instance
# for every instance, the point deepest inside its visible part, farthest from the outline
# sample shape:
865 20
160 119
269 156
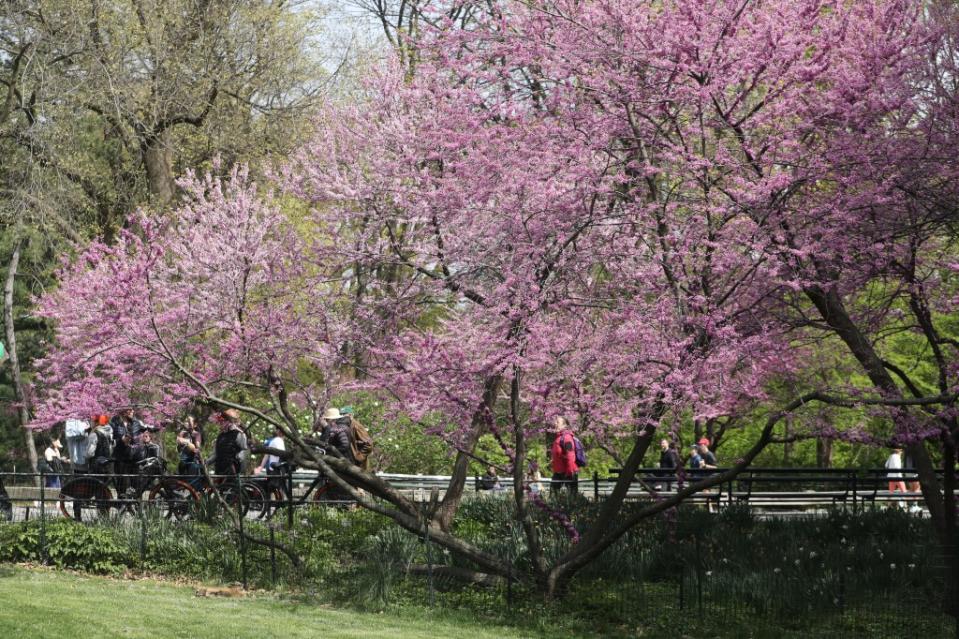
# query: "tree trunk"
941 504
824 453
158 163
454 491
833 311
23 415
787 445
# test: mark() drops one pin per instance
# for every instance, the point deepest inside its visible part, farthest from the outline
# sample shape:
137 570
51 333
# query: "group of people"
105 445
566 456
99 445
900 482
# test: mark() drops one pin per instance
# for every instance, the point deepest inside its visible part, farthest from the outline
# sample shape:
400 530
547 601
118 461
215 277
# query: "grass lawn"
45 603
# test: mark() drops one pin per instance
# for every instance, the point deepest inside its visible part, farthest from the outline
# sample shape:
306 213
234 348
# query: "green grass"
45 603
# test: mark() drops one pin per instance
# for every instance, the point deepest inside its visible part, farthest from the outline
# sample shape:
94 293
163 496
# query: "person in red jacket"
562 457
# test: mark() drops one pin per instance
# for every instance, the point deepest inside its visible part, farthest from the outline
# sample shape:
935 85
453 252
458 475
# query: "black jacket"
338 436
669 458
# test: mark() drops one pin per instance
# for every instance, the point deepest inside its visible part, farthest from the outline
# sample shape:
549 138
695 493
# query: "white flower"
843 540
911 566
725 561
709 573
812 554
796 562
777 570
892 566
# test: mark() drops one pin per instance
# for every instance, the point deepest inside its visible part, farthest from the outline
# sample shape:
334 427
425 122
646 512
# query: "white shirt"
279 444
894 463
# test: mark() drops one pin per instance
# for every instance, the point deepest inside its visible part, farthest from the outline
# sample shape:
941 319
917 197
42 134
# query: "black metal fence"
681 586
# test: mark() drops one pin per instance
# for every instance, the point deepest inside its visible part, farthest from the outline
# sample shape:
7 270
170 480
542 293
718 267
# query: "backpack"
580 452
360 442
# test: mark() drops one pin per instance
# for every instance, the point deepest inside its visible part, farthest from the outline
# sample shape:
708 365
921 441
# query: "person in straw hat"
336 433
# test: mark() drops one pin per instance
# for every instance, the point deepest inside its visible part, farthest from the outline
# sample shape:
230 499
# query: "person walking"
668 462
562 458
708 457
895 478
54 464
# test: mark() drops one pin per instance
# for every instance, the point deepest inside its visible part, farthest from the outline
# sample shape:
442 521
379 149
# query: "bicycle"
275 486
169 496
239 493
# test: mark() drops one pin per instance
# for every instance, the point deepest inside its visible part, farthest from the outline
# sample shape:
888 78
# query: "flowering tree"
611 207
604 209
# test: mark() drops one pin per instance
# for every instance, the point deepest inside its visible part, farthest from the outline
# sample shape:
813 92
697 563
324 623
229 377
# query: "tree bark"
454 491
823 453
158 163
834 313
23 414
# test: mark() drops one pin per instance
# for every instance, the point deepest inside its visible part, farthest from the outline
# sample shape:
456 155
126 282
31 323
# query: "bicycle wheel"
323 494
85 499
274 500
174 499
239 498
257 500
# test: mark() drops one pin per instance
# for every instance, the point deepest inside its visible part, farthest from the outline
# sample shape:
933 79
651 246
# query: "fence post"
43 518
143 535
240 497
272 554
595 486
682 587
289 499
699 577
429 563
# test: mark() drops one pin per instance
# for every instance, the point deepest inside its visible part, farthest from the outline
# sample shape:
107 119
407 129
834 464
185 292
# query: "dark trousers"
123 467
569 481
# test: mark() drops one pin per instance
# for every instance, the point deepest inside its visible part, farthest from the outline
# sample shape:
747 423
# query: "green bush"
68 544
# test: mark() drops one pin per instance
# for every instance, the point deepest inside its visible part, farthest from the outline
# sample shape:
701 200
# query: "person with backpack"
361 444
562 457
126 429
336 433
100 451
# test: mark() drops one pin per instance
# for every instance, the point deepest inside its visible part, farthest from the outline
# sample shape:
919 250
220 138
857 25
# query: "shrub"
68 544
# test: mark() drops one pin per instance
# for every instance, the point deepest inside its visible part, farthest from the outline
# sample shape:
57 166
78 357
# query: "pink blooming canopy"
612 204
627 212
218 294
